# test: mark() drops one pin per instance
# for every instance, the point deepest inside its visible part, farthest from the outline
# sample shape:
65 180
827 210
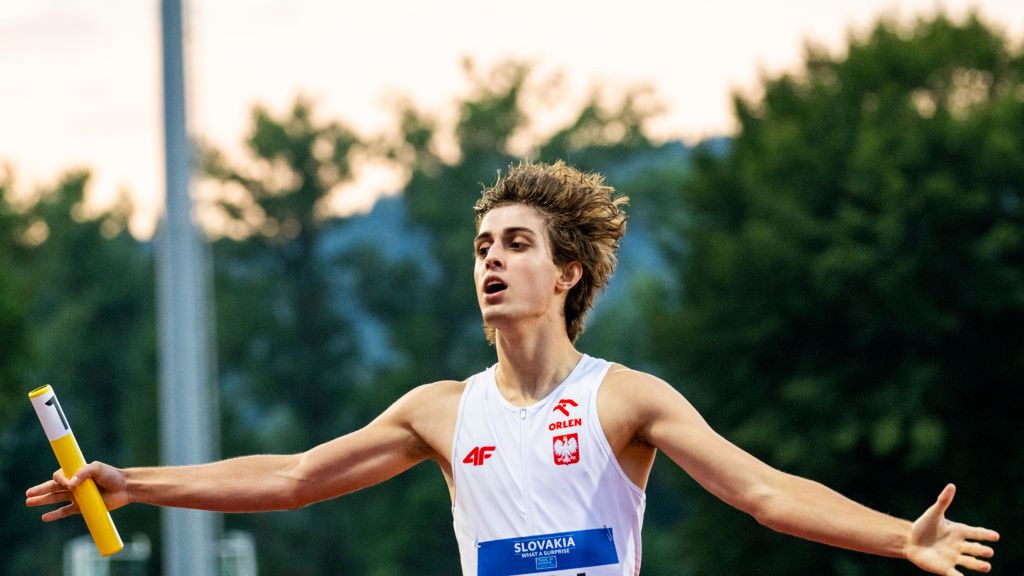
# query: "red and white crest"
566 449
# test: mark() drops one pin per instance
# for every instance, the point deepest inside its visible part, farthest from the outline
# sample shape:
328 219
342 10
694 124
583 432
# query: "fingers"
975 549
44 488
53 491
49 498
945 499
49 492
985 534
90 470
972 552
972 563
61 513
59 490
60 479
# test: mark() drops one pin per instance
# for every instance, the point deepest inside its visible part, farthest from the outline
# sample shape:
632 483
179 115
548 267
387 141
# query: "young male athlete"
547 453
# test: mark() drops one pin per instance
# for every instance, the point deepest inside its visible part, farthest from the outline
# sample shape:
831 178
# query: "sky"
80 79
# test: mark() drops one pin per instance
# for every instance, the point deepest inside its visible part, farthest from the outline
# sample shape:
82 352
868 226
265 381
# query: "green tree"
273 285
85 304
287 357
13 290
15 362
854 290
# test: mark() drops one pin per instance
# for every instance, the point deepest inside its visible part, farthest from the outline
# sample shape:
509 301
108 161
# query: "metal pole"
189 536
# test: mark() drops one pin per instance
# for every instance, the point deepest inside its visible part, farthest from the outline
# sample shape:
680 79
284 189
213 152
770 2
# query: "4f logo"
566 449
562 405
477 455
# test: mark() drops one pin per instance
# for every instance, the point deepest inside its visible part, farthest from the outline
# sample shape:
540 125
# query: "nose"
494 258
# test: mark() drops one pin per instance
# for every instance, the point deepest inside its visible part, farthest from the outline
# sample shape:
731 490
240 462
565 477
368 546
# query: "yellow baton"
69 455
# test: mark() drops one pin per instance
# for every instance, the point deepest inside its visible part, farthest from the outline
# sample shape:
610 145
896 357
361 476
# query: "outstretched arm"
382 449
795 505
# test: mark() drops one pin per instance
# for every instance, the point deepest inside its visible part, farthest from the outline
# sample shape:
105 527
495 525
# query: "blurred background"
825 254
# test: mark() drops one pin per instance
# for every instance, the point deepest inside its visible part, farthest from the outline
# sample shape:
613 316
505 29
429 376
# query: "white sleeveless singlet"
537 489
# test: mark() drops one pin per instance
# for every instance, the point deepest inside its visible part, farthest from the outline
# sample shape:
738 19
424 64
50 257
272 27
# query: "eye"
481 250
517 245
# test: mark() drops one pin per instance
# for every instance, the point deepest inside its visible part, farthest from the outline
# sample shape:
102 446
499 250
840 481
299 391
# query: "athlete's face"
516 277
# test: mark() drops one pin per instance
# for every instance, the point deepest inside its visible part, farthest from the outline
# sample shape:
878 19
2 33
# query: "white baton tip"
50 414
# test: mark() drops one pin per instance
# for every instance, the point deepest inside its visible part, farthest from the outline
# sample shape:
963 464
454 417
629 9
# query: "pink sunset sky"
81 79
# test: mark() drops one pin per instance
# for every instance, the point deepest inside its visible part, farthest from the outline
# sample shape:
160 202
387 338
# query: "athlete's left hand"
938 545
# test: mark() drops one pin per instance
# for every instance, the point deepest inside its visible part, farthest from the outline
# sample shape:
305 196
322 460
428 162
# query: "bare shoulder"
619 374
626 404
625 400
434 395
639 401
430 411
427 404
643 390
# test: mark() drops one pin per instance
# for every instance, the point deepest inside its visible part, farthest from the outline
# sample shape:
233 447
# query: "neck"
531 366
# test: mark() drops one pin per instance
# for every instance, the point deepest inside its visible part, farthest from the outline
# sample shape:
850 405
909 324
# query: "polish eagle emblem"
566 449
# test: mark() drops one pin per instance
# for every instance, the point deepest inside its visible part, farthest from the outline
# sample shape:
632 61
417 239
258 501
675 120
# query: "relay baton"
70 457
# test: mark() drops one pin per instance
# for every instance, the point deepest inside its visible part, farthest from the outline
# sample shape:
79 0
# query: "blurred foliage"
14 328
276 320
854 291
285 351
838 289
79 313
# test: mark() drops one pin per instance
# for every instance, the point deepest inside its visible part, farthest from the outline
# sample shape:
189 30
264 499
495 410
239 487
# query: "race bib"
550 554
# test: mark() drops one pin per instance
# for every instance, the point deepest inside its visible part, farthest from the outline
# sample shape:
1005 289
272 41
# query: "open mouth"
494 286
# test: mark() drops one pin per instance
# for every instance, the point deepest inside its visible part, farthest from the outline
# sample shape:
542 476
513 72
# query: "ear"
571 274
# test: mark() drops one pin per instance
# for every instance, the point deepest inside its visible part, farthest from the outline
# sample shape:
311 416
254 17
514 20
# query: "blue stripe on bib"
546 552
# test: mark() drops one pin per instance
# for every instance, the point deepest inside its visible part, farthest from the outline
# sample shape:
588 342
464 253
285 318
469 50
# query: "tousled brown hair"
585 223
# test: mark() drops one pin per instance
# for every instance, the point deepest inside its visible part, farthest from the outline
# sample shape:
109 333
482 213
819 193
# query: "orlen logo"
477 455
562 405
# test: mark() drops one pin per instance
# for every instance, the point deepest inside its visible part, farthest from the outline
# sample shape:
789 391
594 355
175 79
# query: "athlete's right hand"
111 482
